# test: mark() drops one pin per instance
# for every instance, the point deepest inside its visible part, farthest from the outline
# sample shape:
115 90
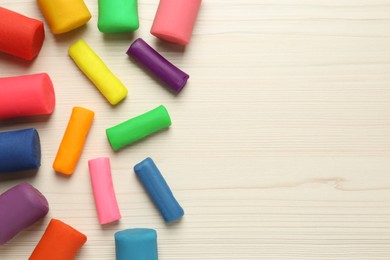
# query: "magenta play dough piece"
103 190
20 207
26 95
172 76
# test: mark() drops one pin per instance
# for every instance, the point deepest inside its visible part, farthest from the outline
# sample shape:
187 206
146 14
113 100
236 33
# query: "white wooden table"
280 143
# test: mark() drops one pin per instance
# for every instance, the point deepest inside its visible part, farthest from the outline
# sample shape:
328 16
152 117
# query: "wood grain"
280 142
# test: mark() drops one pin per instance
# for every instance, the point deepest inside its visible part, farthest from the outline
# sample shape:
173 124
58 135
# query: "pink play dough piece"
175 20
103 190
26 95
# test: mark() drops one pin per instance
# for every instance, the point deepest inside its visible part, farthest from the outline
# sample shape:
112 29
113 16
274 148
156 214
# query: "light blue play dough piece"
136 244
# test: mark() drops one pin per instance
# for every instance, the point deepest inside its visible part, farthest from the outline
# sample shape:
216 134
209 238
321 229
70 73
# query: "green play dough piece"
118 16
138 127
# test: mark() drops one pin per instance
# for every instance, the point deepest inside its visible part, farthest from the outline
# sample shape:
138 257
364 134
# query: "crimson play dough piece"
175 20
20 207
20 36
59 242
26 95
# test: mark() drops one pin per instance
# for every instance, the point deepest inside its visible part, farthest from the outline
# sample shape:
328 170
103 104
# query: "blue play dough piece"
136 244
158 190
19 150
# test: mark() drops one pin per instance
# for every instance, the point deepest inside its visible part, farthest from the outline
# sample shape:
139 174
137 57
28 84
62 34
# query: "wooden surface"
280 142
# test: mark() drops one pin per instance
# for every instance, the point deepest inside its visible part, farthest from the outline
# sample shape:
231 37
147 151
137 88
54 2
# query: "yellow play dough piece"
95 69
64 15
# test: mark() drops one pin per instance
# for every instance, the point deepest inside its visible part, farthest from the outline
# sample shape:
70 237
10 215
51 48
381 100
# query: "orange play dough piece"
64 15
60 242
20 36
73 141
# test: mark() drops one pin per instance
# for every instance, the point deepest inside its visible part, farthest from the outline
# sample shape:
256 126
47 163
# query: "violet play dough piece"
20 207
158 65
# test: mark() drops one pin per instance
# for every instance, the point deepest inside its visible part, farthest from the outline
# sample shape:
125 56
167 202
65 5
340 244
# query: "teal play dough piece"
136 244
118 16
138 127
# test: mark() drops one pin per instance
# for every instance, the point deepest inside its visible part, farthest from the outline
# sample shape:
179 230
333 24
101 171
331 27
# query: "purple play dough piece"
158 65
20 207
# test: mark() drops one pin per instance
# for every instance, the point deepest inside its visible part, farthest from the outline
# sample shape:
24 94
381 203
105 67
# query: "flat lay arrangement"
180 129
30 95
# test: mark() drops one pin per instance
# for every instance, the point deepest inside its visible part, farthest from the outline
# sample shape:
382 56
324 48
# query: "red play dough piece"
26 95
20 36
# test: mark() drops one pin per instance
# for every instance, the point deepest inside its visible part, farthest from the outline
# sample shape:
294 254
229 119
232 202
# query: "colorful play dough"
26 95
60 242
175 20
158 190
73 141
118 16
64 15
136 244
103 190
138 127
20 36
95 69
19 150
20 207
168 73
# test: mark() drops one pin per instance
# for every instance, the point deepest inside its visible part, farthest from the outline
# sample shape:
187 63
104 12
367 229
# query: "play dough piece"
64 15
136 244
100 75
118 16
73 141
172 76
26 95
20 36
60 242
20 207
175 20
158 190
19 150
138 127
103 190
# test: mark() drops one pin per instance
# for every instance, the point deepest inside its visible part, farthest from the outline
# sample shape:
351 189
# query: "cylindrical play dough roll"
72 143
59 242
103 190
118 16
64 15
26 95
95 69
158 190
136 244
138 127
19 150
20 36
175 20
20 207
172 76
